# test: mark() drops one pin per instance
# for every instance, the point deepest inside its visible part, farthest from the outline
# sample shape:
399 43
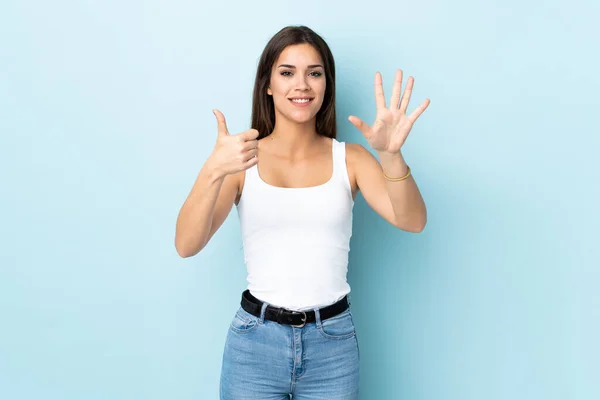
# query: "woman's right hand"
233 153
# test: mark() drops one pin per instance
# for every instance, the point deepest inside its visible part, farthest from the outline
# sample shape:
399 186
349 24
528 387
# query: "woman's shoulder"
355 151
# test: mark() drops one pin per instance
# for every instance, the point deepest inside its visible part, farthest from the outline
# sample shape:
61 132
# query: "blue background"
105 121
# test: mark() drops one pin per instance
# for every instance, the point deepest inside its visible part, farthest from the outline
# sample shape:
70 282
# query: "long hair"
263 109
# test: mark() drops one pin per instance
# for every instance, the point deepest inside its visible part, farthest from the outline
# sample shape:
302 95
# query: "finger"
250 154
221 123
415 114
361 125
379 96
396 90
249 145
250 163
250 134
407 94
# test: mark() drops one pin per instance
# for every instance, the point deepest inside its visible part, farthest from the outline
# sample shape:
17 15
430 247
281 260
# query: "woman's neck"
294 141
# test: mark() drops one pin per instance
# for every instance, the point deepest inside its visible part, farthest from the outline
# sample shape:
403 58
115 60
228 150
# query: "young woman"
294 186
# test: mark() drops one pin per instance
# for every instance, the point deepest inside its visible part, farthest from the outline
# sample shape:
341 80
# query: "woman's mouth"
301 101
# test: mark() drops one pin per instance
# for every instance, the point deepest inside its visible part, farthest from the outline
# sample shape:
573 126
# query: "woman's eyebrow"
293 67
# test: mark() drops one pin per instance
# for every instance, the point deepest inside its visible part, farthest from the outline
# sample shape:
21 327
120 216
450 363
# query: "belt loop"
261 319
317 317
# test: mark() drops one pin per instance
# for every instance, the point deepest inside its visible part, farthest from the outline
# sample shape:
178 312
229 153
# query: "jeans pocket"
340 326
243 322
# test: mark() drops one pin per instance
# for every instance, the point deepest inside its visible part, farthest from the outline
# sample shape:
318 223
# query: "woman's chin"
301 117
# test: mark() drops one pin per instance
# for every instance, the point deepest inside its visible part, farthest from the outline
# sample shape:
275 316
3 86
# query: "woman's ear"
269 91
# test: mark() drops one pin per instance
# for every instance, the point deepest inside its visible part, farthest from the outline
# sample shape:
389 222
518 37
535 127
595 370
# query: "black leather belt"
289 317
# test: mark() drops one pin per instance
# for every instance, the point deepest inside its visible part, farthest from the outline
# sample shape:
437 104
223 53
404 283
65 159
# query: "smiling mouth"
301 101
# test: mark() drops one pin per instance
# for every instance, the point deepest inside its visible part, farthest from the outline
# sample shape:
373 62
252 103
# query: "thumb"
221 123
361 125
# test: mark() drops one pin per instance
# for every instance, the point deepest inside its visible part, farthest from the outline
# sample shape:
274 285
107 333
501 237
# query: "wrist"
212 171
393 164
395 158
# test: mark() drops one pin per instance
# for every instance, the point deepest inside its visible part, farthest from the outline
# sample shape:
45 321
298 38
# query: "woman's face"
298 83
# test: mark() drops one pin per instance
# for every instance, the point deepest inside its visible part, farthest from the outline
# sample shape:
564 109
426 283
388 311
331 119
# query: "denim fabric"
269 361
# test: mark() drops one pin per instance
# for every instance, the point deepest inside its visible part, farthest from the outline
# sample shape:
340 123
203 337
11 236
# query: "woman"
294 186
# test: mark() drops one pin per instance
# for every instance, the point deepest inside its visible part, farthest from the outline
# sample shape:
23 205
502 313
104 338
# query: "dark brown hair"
263 109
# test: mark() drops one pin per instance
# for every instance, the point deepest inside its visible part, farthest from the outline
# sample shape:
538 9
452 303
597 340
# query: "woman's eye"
313 73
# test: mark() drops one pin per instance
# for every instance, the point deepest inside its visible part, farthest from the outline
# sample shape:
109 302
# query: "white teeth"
300 100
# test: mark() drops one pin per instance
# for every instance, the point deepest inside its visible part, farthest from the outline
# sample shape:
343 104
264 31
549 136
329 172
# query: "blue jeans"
266 360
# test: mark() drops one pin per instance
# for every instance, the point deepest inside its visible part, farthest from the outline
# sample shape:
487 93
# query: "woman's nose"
302 84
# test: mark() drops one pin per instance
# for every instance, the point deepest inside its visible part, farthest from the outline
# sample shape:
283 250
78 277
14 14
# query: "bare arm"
215 190
204 210
407 202
399 203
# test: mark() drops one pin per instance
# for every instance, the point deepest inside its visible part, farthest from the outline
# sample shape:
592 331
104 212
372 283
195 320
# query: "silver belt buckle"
303 319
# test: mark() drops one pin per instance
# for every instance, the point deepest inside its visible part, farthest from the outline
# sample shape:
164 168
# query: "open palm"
392 126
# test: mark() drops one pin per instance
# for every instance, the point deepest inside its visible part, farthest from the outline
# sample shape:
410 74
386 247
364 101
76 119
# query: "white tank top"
296 240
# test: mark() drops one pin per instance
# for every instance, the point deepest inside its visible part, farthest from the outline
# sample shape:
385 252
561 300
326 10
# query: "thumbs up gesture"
233 153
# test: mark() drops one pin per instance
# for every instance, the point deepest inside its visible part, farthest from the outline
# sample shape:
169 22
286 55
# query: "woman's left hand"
392 126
